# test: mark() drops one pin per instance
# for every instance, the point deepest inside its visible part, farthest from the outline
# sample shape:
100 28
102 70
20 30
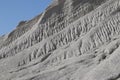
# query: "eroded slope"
70 40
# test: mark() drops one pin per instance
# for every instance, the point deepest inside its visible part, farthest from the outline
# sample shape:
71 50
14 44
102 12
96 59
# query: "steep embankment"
70 40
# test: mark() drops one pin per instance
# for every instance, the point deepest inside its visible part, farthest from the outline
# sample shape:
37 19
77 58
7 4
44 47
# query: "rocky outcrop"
70 40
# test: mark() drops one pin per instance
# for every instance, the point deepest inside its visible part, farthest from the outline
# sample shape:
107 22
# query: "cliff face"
70 40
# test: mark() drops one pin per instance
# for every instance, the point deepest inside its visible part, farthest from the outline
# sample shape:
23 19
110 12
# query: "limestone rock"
70 40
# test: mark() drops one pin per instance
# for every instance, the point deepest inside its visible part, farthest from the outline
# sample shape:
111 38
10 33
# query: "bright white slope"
70 40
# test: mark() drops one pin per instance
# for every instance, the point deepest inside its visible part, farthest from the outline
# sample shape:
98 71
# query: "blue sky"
14 11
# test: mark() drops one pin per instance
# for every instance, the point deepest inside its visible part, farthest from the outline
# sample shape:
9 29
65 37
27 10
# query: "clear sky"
14 11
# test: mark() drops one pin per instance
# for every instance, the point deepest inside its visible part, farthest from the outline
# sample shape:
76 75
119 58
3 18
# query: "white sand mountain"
70 40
